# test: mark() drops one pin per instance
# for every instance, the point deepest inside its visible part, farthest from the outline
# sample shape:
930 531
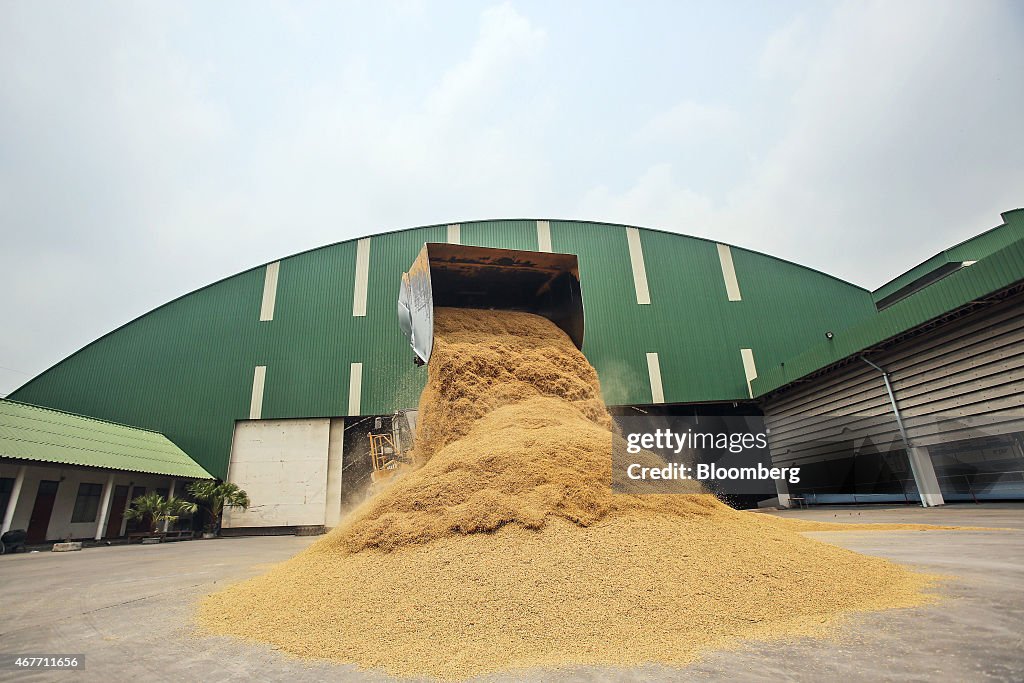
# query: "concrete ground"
128 609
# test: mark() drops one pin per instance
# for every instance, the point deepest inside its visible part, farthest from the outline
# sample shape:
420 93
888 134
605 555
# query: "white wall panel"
282 465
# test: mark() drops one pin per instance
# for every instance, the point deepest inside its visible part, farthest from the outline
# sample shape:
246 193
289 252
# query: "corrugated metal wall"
186 369
959 381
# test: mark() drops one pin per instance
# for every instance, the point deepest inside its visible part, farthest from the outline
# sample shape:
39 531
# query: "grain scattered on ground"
505 548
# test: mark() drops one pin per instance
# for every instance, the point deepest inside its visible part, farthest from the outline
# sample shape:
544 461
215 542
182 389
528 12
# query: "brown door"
39 522
117 512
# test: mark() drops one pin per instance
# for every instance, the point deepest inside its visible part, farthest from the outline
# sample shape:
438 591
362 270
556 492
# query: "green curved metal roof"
186 368
29 432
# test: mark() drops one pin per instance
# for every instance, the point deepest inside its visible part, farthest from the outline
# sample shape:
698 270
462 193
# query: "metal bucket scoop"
458 276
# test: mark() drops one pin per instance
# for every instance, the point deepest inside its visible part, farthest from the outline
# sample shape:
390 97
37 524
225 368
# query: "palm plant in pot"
217 497
155 508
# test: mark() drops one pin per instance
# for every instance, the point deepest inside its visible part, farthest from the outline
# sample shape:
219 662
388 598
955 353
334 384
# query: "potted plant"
157 509
217 497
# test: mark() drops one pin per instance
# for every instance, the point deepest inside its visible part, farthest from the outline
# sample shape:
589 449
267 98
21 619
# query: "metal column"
13 502
920 462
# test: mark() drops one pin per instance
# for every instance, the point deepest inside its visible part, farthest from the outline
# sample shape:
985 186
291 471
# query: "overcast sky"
147 149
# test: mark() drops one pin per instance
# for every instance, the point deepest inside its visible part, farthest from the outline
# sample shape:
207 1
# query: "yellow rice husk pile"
505 548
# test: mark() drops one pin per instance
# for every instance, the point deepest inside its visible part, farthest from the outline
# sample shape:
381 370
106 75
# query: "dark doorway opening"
117 512
39 522
135 524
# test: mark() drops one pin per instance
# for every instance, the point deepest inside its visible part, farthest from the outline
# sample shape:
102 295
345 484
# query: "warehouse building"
922 401
69 477
273 378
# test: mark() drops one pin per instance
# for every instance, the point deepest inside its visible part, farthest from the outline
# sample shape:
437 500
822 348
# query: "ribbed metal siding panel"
517 234
616 338
698 332
785 307
390 379
309 357
304 347
972 370
691 323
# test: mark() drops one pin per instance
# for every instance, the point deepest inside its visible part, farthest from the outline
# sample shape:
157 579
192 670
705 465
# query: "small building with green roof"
68 476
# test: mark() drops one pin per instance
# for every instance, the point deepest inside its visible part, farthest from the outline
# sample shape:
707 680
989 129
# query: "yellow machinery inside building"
386 453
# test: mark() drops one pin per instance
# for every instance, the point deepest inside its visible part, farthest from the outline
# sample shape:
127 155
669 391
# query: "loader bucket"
453 275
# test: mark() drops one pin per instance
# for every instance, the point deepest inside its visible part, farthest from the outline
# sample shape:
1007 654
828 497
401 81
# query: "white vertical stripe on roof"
544 236
654 371
455 233
256 402
355 389
636 260
749 369
362 277
269 291
732 285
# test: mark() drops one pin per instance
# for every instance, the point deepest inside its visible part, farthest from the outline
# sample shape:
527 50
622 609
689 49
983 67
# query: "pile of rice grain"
505 547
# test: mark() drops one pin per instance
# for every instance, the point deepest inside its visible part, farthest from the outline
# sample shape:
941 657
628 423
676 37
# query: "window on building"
87 503
6 486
